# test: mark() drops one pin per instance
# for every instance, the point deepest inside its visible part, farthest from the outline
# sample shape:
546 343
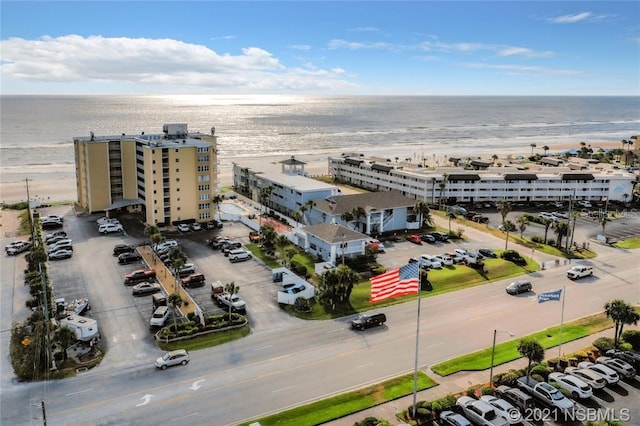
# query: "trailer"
86 329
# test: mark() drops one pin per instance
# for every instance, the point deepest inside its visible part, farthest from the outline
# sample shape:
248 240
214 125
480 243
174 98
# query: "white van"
159 317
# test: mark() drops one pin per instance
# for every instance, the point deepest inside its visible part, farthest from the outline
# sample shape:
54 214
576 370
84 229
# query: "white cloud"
572 19
74 58
523 51
366 29
524 70
356 45
305 47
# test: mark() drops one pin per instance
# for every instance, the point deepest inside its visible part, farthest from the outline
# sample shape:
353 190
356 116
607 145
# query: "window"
177 160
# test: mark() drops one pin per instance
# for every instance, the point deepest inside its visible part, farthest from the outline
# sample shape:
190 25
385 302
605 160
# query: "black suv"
368 320
122 248
126 258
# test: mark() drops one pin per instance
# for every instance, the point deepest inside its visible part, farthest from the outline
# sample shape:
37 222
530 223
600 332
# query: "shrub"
509 378
537 377
302 305
540 370
580 356
513 256
537 239
604 344
633 338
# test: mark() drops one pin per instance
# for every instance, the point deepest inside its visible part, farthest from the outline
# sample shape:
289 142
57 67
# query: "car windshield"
167 356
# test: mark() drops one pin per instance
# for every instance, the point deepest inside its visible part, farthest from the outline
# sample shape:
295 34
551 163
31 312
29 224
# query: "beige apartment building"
170 177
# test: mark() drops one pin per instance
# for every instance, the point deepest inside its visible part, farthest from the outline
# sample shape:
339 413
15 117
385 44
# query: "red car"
414 238
139 275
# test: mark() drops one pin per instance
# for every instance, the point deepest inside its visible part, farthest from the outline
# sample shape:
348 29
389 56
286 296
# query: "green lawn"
347 403
630 243
507 351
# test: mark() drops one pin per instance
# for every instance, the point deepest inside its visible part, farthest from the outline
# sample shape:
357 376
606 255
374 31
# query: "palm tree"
177 263
281 243
433 191
545 149
231 288
532 350
533 145
504 207
151 231
442 185
217 200
422 209
494 157
264 196
303 209
310 205
175 300
621 313
561 229
65 338
508 227
547 224
603 222
269 236
358 212
451 215
522 224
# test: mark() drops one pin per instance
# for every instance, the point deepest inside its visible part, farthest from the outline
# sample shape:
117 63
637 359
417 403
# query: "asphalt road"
284 361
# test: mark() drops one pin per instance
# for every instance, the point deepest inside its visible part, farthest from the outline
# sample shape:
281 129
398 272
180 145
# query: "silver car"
177 357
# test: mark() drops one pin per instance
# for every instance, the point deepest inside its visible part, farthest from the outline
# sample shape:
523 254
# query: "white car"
608 374
585 204
239 255
177 357
546 215
590 377
577 387
196 227
105 220
480 412
108 228
621 367
428 261
166 245
503 408
183 227
60 254
52 218
446 260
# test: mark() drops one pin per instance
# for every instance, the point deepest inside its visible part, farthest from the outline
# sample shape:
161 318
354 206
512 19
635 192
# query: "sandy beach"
57 184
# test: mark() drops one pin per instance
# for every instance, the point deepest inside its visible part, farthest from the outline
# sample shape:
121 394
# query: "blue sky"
321 48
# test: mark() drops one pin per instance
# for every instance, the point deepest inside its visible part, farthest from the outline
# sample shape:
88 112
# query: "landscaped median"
507 351
344 404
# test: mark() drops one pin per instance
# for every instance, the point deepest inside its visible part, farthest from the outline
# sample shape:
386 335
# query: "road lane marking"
365 365
82 391
281 389
184 417
262 348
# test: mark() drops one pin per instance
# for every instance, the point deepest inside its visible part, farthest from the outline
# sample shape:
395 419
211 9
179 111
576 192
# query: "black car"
428 238
368 320
518 287
126 258
122 248
488 253
440 236
51 224
631 357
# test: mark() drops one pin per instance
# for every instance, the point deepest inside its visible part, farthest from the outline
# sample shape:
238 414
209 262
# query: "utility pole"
47 323
26 180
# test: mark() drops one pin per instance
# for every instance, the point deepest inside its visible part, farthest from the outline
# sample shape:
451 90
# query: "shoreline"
57 183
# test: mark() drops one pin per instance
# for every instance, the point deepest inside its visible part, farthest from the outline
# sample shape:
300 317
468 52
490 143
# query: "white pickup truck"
579 271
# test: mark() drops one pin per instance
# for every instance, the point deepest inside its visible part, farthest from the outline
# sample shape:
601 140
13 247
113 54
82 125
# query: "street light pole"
493 353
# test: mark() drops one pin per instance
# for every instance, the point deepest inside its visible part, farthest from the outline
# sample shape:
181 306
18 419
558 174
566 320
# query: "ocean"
36 132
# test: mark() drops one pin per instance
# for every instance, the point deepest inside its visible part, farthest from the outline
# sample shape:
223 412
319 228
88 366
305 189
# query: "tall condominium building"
169 177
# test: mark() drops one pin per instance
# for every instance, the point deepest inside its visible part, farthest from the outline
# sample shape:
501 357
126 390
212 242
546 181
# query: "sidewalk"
458 382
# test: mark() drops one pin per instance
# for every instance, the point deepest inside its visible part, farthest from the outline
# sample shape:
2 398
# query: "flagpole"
415 367
561 322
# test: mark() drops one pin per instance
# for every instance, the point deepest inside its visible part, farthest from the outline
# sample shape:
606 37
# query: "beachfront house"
287 191
371 213
331 242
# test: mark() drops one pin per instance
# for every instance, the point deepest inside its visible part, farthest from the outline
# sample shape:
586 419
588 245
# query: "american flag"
396 282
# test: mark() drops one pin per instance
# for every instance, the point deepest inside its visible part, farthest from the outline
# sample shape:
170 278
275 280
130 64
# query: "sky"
568 48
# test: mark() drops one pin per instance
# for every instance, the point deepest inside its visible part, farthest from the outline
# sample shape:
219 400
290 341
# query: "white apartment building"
458 185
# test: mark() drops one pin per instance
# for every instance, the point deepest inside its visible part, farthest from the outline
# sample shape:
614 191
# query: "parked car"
457 259
414 238
126 258
445 260
503 408
139 275
214 224
54 234
480 412
590 377
449 418
428 261
177 357
17 247
518 287
159 317
607 373
632 357
440 236
60 245
575 386
51 224
122 248
368 320
183 227
196 226
376 245
104 220
621 367
230 245
60 254
194 280
186 270
145 288
166 244
52 217
584 203
109 228
428 238
239 255
488 253
293 288
56 239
